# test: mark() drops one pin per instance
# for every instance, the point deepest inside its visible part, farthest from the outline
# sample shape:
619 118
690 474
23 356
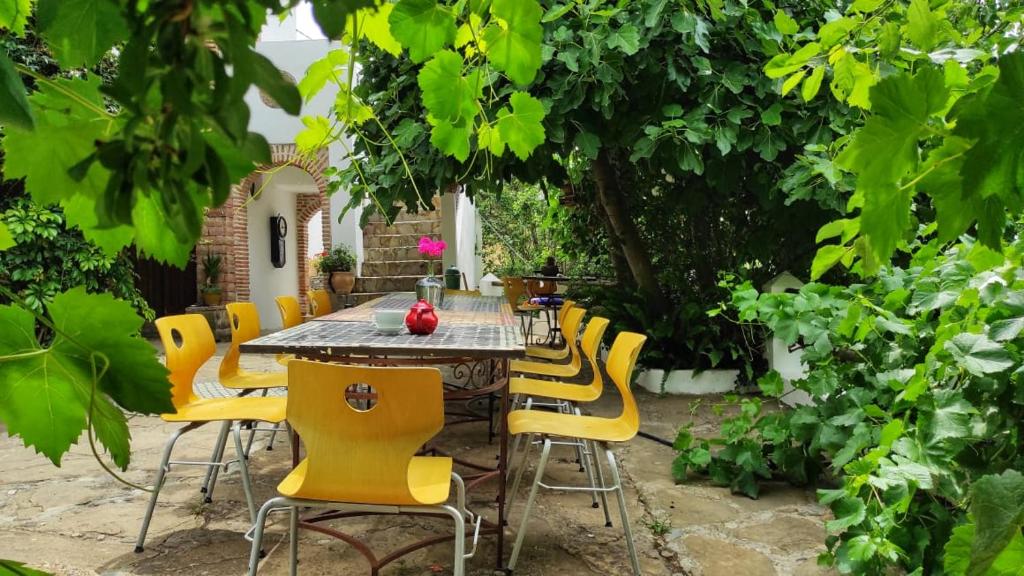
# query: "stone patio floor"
76 520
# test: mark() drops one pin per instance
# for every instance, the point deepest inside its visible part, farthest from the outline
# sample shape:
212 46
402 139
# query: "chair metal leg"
270 444
459 562
622 512
545 453
600 480
253 426
257 537
218 454
243 469
586 464
214 471
519 473
293 540
158 484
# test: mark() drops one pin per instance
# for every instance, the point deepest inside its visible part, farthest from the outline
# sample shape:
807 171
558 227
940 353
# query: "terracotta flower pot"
212 298
342 282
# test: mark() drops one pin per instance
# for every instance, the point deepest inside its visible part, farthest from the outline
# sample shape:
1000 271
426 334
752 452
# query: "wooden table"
470 327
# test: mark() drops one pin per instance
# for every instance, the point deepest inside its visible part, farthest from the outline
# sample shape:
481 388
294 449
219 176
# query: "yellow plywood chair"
365 460
515 292
546 353
188 344
319 303
291 312
291 316
570 328
245 325
597 430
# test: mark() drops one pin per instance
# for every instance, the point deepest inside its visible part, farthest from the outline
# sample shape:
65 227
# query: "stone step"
391 254
417 227
397 268
386 283
391 240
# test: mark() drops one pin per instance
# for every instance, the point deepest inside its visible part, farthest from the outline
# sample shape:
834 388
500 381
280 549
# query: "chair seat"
546 353
549 389
544 369
569 426
245 380
219 409
284 359
429 477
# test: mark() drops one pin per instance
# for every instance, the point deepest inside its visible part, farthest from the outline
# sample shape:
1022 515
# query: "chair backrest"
319 303
188 343
291 312
570 332
362 456
621 361
514 290
591 345
566 306
244 320
541 287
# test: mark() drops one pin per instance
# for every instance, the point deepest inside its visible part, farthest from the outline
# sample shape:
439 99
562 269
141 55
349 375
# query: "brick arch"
226 230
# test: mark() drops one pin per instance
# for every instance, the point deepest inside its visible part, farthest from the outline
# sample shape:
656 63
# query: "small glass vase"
430 289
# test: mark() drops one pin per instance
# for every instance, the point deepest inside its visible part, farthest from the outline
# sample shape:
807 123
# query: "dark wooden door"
167 289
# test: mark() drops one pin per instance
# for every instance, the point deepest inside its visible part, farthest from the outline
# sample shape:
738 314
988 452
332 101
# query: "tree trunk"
625 232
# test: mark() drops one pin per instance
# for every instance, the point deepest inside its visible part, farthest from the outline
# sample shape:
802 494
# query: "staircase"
391 257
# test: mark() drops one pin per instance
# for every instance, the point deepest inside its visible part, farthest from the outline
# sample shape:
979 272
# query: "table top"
469 326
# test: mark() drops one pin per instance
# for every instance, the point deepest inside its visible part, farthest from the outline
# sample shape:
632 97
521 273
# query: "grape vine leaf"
18 569
80 32
997 505
451 138
14 15
315 134
994 166
45 395
447 94
977 354
423 26
521 128
923 25
849 511
152 236
14 107
374 26
330 67
886 149
625 38
332 15
513 41
957 554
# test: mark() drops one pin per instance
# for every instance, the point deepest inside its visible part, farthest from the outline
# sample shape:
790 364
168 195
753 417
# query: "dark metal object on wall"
278 231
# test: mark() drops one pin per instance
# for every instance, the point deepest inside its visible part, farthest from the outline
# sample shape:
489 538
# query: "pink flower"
429 247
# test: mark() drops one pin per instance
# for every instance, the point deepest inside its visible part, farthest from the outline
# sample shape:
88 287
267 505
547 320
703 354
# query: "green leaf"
18 569
513 42
997 505
332 15
957 554
447 94
80 212
588 143
45 395
626 38
771 384
69 121
825 258
14 108
849 511
812 84
315 135
452 138
14 15
6 240
1007 329
521 128
772 116
923 25
489 139
977 354
885 150
994 166
785 23
793 81
80 32
329 68
152 236
557 12
374 25
423 26
272 81
684 439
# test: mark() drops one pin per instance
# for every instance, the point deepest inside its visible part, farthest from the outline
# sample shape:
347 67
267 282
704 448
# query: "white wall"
466 234
265 281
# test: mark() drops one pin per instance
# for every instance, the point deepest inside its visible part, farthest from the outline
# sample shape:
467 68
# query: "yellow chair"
188 344
291 312
621 361
245 325
574 393
570 328
546 353
365 460
515 290
319 303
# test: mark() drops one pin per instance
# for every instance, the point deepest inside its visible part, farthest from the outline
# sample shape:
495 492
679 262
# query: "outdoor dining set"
362 400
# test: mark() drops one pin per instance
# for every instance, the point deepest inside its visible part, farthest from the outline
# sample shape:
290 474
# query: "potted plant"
211 270
337 265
